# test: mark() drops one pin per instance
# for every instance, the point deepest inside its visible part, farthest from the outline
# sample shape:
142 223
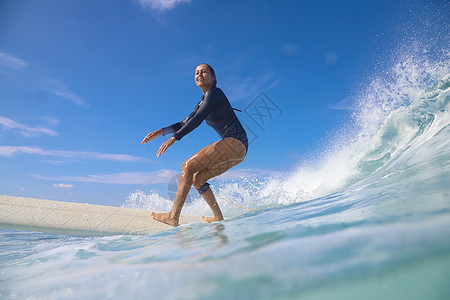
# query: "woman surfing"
212 160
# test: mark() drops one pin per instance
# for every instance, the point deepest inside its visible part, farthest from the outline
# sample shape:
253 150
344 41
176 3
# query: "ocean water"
368 219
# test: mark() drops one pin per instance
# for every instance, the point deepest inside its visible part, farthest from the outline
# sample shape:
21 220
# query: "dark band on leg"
203 188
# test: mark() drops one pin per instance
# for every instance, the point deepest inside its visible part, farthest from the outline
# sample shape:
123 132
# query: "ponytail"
211 70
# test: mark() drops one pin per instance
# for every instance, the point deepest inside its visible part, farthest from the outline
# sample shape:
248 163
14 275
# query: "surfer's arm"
188 124
198 115
167 130
172 129
177 126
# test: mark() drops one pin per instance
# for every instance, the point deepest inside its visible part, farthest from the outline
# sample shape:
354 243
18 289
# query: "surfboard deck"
59 217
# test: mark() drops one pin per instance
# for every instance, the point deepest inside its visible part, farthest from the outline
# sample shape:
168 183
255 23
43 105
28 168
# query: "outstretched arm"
164 146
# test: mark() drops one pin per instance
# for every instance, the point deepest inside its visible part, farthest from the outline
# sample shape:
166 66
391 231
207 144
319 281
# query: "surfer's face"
203 76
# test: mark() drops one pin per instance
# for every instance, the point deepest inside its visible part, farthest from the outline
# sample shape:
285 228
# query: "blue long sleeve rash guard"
218 113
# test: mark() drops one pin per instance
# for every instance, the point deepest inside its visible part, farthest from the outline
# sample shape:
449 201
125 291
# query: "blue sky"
82 82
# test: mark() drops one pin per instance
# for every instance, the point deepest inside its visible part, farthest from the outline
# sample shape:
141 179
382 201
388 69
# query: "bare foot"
165 218
211 219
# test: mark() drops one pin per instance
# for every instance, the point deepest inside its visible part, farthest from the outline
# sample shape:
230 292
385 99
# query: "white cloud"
161 176
25 130
63 186
9 151
58 89
11 62
155 177
161 5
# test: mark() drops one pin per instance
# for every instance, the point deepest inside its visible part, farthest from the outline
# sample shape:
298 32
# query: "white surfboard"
78 218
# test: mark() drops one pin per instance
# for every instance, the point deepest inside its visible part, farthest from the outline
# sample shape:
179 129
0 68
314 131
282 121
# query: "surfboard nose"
78 218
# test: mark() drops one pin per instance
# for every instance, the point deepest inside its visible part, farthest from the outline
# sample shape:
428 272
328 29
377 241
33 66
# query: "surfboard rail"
83 219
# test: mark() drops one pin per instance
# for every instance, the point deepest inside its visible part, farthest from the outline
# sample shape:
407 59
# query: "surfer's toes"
164 218
211 219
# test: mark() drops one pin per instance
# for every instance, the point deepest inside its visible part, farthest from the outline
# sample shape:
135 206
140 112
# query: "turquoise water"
369 219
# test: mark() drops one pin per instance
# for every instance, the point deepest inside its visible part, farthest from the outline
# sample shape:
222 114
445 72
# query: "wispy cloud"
155 177
22 75
161 5
11 62
10 151
63 186
25 130
160 176
61 90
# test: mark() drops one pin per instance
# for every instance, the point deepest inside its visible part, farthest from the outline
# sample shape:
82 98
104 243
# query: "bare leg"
211 161
209 197
172 218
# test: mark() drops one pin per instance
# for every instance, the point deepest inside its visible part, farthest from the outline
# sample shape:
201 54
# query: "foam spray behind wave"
394 116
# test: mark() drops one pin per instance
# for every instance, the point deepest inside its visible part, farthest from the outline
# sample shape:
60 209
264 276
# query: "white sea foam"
392 118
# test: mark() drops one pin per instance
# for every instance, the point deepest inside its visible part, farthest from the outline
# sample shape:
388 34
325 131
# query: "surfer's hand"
165 145
151 136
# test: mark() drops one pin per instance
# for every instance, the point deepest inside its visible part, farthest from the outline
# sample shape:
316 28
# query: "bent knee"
197 181
187 168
